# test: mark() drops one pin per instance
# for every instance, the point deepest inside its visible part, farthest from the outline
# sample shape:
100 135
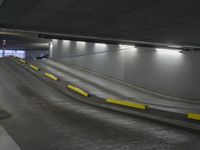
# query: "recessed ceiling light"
123 46
175 46
81 42
101 45
169 51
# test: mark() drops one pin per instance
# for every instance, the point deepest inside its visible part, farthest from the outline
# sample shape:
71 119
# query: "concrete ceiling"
163 21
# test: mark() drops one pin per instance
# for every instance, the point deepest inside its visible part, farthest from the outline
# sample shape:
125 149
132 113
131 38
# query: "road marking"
6 142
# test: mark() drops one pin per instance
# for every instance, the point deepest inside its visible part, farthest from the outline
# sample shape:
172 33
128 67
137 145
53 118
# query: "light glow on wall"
55 40
51 44
66 41
81 45
101 45
81 42
50 49
122 46
169 52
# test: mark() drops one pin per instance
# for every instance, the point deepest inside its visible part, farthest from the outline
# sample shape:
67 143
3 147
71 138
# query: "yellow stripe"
51 76
193 116
23 61
34 67
78 90
127 103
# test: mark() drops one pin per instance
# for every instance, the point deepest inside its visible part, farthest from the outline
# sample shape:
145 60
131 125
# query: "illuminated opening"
18 53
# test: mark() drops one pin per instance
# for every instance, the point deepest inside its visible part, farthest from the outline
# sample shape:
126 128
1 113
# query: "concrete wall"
71 48
171 73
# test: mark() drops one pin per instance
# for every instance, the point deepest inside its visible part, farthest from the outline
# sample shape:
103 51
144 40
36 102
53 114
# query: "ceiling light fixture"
175 46
122 46
169 51
100 45
81 42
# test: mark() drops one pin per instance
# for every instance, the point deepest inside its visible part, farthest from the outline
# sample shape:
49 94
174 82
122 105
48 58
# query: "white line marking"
6 142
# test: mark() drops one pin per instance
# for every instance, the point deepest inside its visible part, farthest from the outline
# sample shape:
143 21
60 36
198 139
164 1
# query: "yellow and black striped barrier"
193 116
51 76
34 67
78 90
22 61
127 103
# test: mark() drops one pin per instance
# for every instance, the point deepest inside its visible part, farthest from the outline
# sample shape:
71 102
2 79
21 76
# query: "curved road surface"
43 118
